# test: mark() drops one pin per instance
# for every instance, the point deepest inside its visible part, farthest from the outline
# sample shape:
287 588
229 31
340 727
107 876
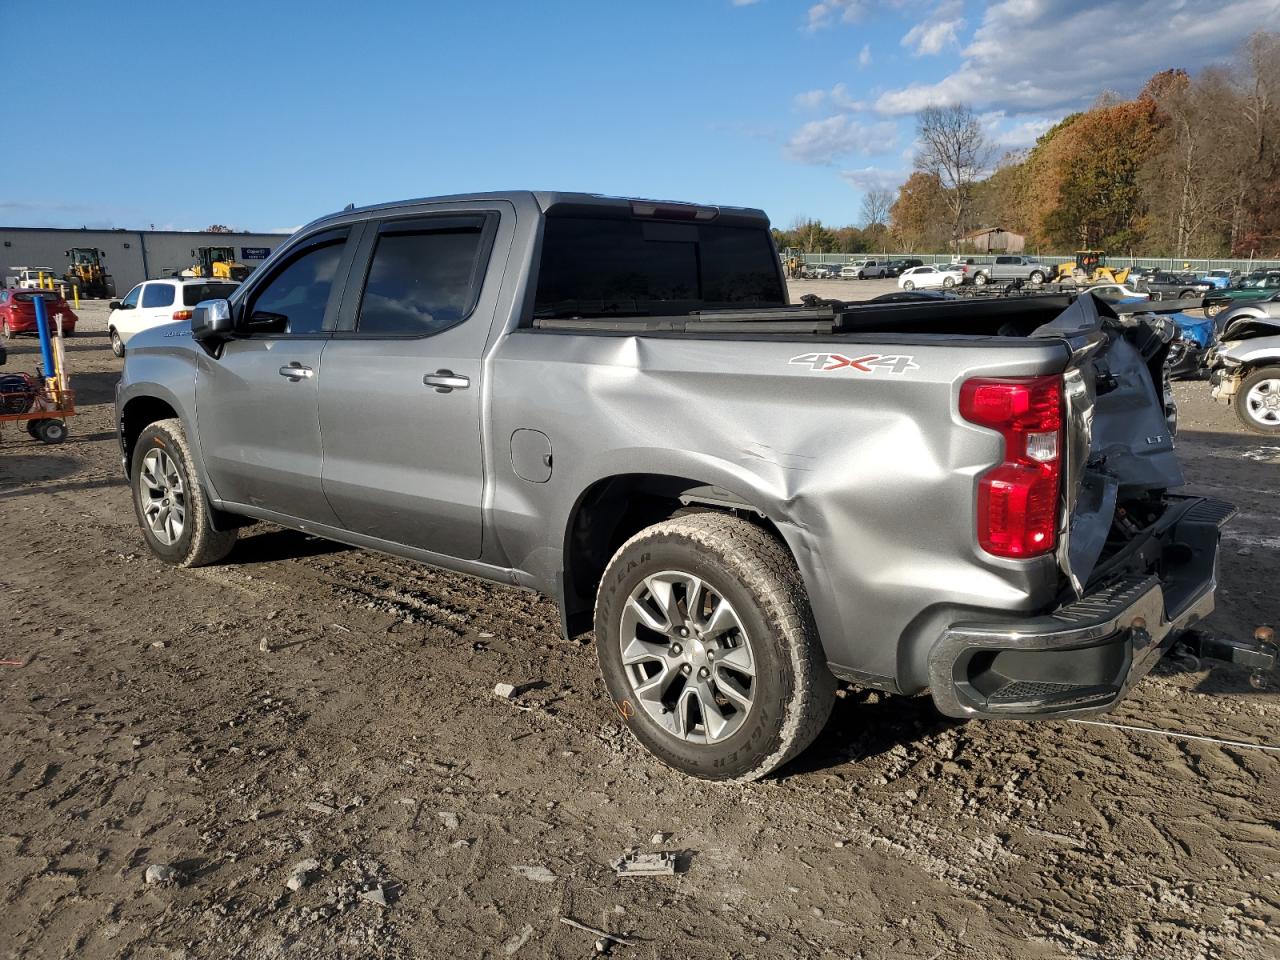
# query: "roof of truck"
567 203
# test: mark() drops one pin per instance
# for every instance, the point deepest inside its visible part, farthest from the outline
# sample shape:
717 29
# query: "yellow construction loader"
87 272
218 263
1089 266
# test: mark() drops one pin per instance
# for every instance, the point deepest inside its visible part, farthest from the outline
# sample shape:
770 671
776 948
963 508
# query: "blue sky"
288 110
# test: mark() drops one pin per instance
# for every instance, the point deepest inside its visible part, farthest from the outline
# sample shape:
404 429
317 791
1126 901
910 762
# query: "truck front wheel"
708 648
169 500
1036 277
1257 401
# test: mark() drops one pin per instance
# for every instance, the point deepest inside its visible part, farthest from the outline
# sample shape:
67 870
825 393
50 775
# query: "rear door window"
193 293
424 276
637 267
157 295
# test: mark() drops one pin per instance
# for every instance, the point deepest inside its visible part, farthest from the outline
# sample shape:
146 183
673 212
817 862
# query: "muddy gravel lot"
316 712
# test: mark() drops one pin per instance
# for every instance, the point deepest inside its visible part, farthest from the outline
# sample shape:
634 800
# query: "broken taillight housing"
1018 499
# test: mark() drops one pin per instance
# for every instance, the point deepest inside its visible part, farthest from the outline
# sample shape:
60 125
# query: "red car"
18 312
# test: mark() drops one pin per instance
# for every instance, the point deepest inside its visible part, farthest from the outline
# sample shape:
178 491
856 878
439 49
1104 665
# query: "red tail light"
182 314
1018 500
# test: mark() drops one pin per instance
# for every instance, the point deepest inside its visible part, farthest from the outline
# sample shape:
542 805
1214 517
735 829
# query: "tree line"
1188 168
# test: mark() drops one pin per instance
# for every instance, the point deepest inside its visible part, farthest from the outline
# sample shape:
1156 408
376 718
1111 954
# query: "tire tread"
762 564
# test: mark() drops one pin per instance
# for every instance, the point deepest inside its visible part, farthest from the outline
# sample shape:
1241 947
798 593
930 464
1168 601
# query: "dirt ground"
308 701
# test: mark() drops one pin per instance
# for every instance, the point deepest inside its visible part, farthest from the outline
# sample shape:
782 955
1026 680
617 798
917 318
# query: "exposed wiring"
1178 736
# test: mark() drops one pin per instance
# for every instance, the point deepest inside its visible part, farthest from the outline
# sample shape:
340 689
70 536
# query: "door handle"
296 371
446 381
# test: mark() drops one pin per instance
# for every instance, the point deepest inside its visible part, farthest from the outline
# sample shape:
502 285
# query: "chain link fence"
1173 264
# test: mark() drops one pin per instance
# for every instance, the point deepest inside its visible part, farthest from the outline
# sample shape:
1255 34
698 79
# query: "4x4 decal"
828 362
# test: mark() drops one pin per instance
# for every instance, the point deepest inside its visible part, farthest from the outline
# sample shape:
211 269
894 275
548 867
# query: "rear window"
46 297
593 267
193 293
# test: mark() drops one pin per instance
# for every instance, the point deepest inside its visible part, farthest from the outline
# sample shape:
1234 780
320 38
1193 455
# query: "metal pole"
42 329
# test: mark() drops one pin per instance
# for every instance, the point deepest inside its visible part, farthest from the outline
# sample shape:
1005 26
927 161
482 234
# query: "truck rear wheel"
169 501
708 648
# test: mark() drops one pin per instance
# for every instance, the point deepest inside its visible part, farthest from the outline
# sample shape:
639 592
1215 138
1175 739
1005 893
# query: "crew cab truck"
1006 268
612 402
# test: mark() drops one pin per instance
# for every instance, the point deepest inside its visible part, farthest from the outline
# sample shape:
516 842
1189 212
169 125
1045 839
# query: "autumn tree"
954 150
918 217
875 206
1090 193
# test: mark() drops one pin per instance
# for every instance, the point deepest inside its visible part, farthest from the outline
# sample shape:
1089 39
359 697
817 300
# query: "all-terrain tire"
792 689
1241 401
198 544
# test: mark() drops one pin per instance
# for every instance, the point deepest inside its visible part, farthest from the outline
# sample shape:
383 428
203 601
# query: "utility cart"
44 401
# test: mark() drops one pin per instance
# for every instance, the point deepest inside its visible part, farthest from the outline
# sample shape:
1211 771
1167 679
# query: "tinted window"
421 282
131 299
593 267
157 295
193 293
294 300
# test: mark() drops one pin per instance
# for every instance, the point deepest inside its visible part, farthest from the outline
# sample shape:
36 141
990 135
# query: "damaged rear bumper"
1084 656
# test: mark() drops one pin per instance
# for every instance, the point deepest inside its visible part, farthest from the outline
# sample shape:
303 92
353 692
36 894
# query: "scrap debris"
602 934
635 864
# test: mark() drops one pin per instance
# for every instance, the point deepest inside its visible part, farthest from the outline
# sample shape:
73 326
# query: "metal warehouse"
130 256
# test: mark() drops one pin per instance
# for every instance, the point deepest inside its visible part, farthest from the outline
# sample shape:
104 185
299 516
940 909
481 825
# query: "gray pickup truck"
1006 268
612 402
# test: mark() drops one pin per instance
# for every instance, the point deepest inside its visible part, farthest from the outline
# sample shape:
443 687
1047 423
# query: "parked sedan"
897 267
948 276
18 312
1117 293
159 301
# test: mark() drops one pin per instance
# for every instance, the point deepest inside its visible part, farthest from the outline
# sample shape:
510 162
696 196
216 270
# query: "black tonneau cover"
968 316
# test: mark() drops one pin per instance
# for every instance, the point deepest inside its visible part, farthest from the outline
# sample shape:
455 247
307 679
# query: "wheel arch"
613 509
136 415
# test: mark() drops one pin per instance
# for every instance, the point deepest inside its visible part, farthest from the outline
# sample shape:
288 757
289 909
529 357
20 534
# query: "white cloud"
864 56
1047 55
874 178
937 31
824 13
841 100
823 142
1007 133
810 99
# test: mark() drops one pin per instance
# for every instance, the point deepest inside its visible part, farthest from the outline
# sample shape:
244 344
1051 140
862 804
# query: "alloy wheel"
687 657
163 496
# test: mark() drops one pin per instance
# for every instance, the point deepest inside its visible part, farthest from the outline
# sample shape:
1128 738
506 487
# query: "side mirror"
212 320
113 305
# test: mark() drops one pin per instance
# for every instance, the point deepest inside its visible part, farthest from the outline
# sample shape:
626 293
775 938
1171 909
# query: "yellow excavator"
1089 266
218 263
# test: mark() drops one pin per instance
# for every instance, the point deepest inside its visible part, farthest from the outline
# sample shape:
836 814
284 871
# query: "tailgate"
1119 458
